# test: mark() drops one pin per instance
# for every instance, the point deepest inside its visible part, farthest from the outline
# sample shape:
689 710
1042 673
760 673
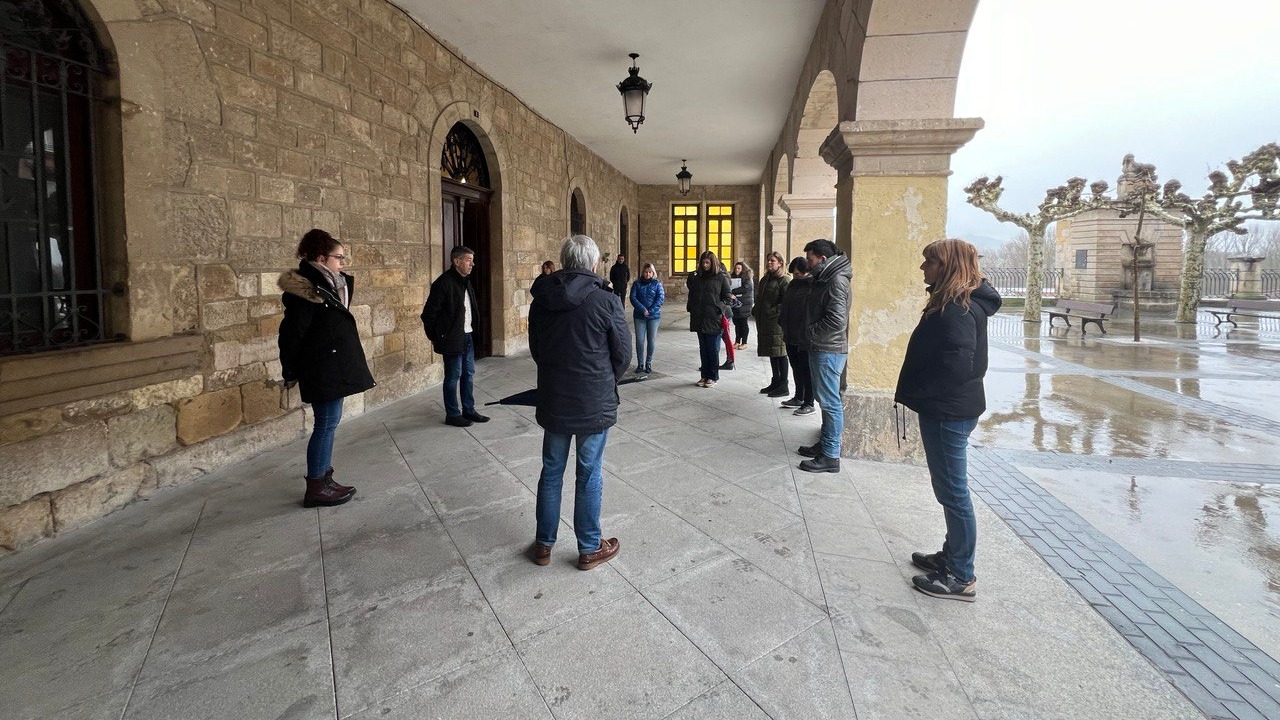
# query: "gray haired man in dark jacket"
578 336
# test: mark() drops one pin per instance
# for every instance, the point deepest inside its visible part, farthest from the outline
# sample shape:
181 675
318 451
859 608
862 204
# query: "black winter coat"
619 276
827 315
579 338
768 314
319 342
444 316
709 299
746 294
795 306
947 358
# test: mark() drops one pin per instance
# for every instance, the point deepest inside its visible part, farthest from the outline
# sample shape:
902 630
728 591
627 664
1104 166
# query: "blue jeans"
709 349
328 413
586 501
646 338
946 449
824 373
460 366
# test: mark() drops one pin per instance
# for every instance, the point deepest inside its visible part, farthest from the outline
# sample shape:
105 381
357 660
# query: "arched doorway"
465 195
623 231
577 213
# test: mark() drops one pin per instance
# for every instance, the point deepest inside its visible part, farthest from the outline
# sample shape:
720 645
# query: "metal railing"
1271 283
1217 283
1012 282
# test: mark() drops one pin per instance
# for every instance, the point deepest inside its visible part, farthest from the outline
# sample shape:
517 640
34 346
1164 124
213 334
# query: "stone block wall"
655 226
241 124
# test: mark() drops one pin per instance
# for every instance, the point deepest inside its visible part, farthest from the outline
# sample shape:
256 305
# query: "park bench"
1245 308
1086 312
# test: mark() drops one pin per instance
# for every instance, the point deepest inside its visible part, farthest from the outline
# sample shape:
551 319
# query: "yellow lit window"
684 238
720 233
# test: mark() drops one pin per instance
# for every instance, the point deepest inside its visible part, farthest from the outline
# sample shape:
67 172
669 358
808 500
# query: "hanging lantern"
634 90
685 178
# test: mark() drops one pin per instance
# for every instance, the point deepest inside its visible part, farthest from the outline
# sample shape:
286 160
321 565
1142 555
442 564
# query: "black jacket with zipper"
709 299
946 359
444 314
319 342
827 310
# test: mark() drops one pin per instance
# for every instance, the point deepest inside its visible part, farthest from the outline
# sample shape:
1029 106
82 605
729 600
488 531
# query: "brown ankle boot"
322 492
344 488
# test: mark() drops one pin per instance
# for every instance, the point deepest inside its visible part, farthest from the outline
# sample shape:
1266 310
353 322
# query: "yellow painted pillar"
891 202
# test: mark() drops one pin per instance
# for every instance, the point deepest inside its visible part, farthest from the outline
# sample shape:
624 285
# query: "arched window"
622 232
51 286
577 213
462 159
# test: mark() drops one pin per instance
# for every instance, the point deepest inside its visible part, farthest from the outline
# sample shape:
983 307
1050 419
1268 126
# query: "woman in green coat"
767 312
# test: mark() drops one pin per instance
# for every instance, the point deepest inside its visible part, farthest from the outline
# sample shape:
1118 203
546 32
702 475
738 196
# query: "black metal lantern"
684 177
634 90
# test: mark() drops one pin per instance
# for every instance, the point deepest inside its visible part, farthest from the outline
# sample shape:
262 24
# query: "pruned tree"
1249 190
1059 203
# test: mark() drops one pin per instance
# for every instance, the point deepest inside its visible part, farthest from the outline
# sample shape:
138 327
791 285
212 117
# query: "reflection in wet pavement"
1184 393
1218 542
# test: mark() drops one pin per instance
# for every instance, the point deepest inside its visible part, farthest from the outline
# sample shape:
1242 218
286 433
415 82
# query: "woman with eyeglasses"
320 351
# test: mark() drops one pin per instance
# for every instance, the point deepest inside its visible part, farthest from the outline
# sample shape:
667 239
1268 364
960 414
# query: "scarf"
336 281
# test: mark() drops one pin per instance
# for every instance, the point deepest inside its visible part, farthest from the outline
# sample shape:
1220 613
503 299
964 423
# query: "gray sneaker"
804 410
942 584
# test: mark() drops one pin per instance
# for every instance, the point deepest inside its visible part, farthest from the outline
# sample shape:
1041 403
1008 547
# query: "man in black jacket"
449 318
580 341
619 276
826 339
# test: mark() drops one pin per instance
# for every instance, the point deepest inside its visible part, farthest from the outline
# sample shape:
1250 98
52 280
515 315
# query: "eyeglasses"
343 258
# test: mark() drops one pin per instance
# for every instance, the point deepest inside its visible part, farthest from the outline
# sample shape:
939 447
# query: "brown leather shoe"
323 492
344 488
609 548
541 554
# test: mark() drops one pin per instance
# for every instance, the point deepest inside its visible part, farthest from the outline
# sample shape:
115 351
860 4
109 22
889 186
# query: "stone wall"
655 225
240 124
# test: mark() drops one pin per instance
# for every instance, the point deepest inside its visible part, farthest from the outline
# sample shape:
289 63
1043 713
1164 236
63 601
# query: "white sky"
1067 89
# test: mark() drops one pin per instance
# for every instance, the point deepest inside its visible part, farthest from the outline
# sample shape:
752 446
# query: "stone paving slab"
745 589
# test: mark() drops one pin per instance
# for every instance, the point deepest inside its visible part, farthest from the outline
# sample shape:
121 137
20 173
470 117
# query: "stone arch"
502 313
910 59
625 234
577 206
811 201
778 218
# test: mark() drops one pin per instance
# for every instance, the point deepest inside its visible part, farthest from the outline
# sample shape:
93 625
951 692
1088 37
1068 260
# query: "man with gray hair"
578 337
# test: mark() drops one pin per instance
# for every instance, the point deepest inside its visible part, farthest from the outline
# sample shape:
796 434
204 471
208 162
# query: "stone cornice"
808 205
897 147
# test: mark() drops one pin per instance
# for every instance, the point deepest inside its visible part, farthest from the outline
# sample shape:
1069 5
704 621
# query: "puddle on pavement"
1081 414
1218 542
1245 395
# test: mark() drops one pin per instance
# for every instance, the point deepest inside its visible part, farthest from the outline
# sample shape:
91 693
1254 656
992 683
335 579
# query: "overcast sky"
1067 89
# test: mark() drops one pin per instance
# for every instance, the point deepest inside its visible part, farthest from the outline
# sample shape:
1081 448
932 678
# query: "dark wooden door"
466 222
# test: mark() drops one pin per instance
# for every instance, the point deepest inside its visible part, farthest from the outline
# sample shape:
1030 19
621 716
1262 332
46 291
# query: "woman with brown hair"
320 351
768 314
941 380
709 299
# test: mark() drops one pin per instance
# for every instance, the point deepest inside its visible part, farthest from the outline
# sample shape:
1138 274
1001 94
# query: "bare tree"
1013 253
1251 191
1261 239
1059 203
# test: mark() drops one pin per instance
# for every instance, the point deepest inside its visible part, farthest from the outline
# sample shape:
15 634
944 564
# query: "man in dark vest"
619 276
449 318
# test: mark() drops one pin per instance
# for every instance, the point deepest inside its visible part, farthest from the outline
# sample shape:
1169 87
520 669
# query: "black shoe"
727 366
767 389
804 410
928 563
810 451
474 416
791 403
457 421
781 391
821 463
942 584
648 369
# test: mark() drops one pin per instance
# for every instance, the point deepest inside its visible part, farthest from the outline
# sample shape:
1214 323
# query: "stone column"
891 202
779 234
1248 277
812 217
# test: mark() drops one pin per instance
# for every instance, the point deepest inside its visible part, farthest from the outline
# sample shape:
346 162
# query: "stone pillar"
1248 277
891 202
812 217
779 235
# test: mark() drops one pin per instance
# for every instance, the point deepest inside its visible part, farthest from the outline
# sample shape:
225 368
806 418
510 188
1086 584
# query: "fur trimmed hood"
295 283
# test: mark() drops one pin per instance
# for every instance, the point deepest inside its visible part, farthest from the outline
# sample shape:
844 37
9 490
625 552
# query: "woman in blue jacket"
647 296
941 380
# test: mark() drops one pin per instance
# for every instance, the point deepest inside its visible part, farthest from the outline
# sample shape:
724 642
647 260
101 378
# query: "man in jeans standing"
578 337
449 317
619 276
826 339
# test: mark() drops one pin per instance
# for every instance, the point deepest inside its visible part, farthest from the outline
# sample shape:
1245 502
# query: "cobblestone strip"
1228 472
1217 668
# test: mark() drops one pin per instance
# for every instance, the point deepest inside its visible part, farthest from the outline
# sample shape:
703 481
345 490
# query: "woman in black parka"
709 300
941 380
320 351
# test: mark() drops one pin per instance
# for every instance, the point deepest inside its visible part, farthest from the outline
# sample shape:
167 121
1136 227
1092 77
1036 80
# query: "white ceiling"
723 72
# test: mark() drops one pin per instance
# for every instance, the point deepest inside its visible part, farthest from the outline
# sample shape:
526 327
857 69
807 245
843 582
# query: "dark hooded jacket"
827 311
444 315
795 306
319 342
946 360
768 314
578 336
709 299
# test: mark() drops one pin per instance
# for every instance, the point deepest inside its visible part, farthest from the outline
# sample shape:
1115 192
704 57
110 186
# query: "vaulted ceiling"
724 73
